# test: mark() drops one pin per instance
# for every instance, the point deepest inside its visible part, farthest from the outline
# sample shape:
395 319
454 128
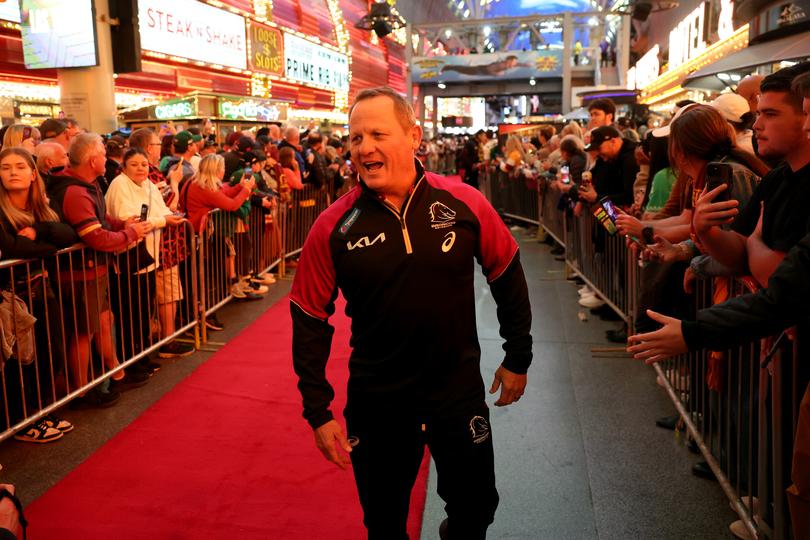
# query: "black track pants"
386 461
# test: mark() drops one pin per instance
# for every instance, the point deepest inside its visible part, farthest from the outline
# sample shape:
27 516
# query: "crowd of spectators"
719 191
127 197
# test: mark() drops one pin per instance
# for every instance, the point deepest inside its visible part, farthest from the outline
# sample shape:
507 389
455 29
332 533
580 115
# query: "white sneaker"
236 290
254 287
739 531
591 302
585 291
264 279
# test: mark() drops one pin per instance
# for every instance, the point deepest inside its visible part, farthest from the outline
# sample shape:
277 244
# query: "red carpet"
225 455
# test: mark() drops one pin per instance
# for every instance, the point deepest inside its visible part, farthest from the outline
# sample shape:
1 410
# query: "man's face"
599 118
153 150
779 126
381 149
60 158
609 150
98 159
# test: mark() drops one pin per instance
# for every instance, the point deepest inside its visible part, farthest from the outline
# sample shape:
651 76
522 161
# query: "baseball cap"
731 106
52 128
244 144
663 131
253 156
600 135
185 137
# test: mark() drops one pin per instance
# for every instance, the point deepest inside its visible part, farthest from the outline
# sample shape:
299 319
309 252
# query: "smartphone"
610 208
718 173
247 173
565 176
144 212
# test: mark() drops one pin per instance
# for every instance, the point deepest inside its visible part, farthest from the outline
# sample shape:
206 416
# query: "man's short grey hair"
403 109
81 146
46 151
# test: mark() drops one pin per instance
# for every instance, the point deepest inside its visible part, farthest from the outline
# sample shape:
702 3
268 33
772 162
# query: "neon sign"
250 109
176 109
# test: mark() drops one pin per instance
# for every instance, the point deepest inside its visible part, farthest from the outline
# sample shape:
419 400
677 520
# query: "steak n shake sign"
193 30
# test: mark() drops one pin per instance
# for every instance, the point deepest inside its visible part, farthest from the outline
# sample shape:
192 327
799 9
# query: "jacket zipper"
401 217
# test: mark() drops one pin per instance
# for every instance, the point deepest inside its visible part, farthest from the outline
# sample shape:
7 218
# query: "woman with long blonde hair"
30 229
20 135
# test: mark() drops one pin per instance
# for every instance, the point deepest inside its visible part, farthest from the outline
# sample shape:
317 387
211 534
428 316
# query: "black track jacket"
408 283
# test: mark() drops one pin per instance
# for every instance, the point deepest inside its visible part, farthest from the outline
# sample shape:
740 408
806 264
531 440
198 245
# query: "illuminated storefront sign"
175 109
266 49
309 63
647 68
194 30
688 39
10 10
252 109
37 109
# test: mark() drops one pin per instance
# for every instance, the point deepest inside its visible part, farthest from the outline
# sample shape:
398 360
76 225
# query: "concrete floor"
580 457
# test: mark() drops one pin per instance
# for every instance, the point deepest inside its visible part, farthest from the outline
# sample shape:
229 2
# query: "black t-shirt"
786 195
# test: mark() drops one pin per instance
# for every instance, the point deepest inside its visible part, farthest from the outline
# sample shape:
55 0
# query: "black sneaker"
250 296
96 399
38 432
668 422
212 323
557 250
617 336
443 530
175 349
133 378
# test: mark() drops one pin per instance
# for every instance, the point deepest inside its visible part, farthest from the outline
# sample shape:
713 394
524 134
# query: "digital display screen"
58 33
10 10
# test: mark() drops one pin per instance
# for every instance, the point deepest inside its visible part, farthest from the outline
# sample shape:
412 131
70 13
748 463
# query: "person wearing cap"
615 169
734 109
53 130
249 282
234 159
198 145
209 147
185 148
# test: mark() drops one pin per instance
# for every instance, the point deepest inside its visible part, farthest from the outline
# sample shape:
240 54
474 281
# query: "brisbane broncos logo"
441 216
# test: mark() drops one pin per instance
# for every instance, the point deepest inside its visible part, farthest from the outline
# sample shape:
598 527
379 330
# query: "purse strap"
23 522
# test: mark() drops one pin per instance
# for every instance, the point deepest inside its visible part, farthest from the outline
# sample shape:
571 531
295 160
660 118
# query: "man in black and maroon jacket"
401 248
77 198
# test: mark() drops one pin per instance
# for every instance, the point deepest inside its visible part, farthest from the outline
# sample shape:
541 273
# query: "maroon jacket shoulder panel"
315 277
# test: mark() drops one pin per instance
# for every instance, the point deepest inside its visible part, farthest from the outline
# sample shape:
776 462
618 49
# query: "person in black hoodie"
30 229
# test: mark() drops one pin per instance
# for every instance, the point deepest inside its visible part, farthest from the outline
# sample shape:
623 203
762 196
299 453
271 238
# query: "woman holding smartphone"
133 196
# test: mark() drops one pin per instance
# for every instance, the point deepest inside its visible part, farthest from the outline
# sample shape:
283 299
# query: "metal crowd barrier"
740 406
513 196
50 308
231 248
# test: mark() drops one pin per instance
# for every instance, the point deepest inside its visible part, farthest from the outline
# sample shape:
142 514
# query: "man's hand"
511 384
28 232
141 228
655 346
328 438
588 193
628 225
9 516
171 219
710 214
176 174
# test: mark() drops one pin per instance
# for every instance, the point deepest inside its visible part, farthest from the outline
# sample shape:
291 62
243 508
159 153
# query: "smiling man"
401 248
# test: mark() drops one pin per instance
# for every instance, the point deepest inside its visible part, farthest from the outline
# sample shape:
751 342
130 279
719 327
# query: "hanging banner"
310 63
265 49
193 30
490 66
